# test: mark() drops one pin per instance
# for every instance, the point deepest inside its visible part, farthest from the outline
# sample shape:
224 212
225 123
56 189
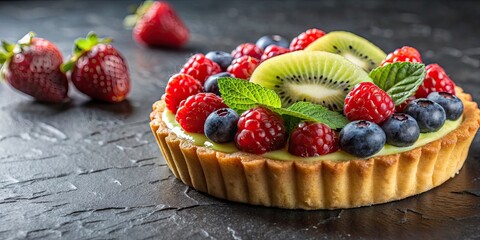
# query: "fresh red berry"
259 131
305 38
159 26
247 49
200 67
404 54
35 69
312 139
272 51
99 70
180 87
368 102
436 80
401 107
194 110
243 67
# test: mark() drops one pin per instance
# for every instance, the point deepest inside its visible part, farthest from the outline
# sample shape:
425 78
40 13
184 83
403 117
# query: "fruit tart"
329 121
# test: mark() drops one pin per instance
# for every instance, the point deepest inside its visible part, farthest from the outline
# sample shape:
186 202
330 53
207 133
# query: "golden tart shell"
253 179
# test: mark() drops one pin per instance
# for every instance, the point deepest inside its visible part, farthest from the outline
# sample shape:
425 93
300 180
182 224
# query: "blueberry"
211 84
362 138
401 130
430 115
221 125
452 105
278 40
223 59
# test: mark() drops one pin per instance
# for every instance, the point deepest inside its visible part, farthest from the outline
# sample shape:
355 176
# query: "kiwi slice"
318 77
353 47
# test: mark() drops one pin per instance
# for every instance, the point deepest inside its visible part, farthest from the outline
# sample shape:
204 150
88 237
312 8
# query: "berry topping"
194 110
362 138
180 87
259 131
312 139
305 38
436 80
200 67
223 59
272 51
247 49
430 115
221 125
211 84
368 102
401 130
243 67
277 40
402 106
452 105
404 54
157 25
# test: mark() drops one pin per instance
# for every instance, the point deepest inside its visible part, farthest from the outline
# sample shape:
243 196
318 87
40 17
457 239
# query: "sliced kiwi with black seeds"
358 50
318 77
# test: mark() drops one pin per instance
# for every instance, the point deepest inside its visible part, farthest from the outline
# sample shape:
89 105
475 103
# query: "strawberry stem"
83 45
130 20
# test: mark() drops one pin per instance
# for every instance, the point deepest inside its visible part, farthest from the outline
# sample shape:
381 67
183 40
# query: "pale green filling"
282 154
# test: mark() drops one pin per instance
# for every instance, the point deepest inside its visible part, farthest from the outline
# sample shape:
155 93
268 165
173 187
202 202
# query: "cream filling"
283 154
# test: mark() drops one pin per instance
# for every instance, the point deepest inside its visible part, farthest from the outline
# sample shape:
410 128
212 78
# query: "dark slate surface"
93 170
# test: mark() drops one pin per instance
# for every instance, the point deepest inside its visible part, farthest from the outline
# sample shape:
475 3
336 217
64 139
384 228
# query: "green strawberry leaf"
81 46
130 20
3 57
241 95
27 39
8 47
400 79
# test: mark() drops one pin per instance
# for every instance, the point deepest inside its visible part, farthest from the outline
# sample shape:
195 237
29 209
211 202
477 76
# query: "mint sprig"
241 95
319 113
400 79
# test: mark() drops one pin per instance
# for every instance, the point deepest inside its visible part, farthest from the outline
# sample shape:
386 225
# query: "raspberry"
404 54
195 109
436 80
368 102
312 139
401 106
200 67
305 38
272 51
259 131
247 49
180 86
243 67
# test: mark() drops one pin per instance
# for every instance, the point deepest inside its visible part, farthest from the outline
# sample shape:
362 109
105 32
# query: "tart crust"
253 179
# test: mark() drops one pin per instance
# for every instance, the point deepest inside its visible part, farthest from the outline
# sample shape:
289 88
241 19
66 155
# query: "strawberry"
33 67
157 25
436 80
98 70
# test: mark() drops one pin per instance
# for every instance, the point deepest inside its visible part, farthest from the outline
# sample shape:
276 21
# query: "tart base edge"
253 179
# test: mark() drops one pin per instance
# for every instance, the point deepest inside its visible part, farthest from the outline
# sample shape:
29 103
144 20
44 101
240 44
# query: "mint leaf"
400 80
306 111
319 113
241 95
